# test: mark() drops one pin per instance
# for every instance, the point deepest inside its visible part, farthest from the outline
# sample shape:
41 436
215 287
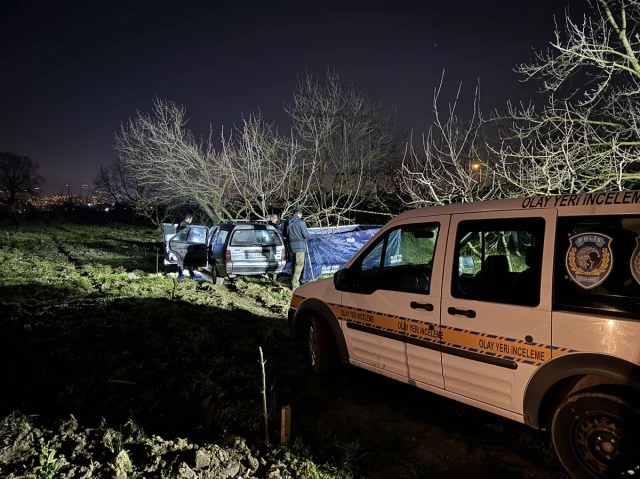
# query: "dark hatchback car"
226 250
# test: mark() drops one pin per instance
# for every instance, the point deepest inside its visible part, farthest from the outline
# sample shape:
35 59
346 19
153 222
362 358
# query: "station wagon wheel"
597 435
216 278
322 346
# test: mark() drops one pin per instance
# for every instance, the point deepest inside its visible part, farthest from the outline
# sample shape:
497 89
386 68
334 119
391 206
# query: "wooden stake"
285 425
264 398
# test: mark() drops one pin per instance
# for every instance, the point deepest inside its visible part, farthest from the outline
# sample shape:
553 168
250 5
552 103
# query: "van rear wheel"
322 347
596 435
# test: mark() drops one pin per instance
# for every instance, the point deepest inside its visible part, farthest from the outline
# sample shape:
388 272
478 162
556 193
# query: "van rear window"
255 238
597 264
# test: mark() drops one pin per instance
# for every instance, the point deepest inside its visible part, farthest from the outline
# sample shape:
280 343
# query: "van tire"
323 352
595 434
273 277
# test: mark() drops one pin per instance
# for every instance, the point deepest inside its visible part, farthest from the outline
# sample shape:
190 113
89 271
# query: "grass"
178 357
48 464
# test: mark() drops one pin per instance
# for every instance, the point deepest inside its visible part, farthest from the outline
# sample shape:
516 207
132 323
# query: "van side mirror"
341 280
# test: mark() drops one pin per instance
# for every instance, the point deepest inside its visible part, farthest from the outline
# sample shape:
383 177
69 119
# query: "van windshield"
255 238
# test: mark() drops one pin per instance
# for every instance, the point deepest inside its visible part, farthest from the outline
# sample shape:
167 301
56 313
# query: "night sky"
73 71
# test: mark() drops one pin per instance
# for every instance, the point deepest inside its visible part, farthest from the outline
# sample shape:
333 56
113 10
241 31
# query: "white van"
526 308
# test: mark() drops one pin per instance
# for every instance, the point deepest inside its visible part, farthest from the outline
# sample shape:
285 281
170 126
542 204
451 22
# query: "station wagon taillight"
283 258
227 260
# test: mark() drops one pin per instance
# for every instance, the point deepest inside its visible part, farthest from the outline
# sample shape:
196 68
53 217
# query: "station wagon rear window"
255 237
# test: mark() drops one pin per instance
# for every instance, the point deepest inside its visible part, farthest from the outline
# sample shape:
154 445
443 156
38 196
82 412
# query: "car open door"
168 232
189 246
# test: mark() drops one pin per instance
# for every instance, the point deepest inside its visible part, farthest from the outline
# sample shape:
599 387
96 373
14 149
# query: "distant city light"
46 202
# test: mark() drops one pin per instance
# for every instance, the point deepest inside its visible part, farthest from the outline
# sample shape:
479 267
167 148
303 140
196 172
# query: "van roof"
613 202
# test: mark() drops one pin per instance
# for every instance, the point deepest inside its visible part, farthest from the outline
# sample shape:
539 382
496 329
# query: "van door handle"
469 313
425 306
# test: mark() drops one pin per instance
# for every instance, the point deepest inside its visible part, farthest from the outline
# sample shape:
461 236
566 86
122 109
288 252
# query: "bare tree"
164 157
266 169
453 165
345 137
118 185
19 178
586 137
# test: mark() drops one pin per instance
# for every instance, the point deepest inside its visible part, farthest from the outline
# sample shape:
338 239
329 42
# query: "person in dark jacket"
297 238
187 221
277 223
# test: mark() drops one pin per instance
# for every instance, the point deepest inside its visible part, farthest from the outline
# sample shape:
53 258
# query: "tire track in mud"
46 231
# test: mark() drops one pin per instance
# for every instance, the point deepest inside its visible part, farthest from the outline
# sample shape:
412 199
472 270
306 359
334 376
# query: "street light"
476 171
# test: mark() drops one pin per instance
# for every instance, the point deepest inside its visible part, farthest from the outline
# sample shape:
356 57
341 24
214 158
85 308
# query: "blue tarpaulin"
331 248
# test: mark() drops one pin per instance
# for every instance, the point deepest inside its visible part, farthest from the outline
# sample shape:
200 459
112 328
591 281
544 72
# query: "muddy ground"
89 329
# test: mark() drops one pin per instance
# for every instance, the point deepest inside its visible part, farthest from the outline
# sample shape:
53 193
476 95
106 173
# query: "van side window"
408 258
369 269
499 261
597 265
400 261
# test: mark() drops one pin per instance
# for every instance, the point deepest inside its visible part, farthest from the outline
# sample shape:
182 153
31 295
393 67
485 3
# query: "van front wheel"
322 346
596 435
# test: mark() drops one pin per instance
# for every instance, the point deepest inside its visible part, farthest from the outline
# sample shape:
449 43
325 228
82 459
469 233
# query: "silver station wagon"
226 250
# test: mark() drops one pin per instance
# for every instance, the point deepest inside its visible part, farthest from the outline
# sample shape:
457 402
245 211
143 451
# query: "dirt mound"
72 451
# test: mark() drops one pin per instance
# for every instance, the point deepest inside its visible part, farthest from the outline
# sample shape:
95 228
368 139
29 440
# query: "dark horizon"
75 72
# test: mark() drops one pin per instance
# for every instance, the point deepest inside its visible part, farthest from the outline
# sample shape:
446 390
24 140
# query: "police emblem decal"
589 259
635 261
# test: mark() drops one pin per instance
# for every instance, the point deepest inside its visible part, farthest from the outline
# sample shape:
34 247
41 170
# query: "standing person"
275 222
186 222
285 236
285 230
298 235
513 243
